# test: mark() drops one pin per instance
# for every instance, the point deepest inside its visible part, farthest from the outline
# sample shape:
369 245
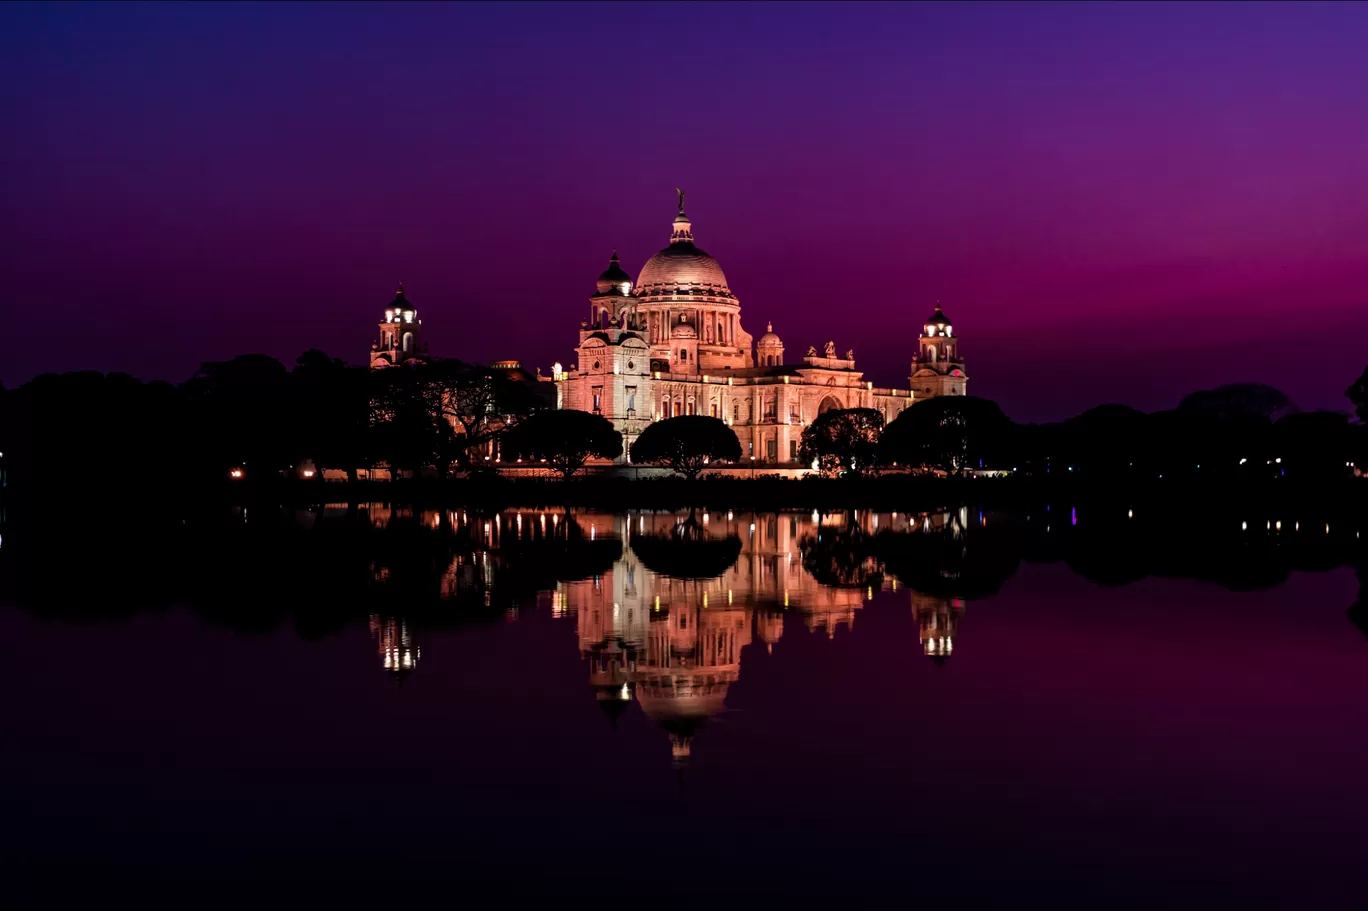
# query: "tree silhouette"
843 441
952 433
329 411
1313 444
842 557
687 444
1103 439
237 412
686 557
480 400
1358 394
565 440
1235 400
408 428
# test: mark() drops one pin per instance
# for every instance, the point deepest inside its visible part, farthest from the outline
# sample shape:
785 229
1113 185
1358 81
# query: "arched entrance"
829 403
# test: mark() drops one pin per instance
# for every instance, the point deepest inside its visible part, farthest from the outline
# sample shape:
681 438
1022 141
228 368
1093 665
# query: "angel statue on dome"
850 355
681 200
830 349
812 351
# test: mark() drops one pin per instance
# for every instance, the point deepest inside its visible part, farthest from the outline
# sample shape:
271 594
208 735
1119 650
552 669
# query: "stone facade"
673 344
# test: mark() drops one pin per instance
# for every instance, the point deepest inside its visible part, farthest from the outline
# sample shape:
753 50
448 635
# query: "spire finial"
769 327
681 233
615 259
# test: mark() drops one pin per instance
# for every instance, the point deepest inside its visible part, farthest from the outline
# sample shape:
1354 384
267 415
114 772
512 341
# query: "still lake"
391 703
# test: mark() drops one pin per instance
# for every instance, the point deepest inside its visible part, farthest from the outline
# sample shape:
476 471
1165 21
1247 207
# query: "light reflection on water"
663 618
969 687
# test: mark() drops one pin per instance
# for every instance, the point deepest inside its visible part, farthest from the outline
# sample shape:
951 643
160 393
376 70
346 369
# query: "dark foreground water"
399 706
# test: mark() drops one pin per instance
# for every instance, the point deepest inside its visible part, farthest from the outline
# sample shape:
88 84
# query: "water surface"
352 702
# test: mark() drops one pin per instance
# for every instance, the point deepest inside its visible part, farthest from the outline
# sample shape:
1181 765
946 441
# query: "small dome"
683 330
938 317
769 339
613 279
400 302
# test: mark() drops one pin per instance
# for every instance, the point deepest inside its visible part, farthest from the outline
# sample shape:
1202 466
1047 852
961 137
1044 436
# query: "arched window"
408 341
931 353
683 355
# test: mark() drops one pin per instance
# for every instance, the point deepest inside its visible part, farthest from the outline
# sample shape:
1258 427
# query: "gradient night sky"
1113 202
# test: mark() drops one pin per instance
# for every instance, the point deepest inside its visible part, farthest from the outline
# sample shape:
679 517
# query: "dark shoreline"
1343 498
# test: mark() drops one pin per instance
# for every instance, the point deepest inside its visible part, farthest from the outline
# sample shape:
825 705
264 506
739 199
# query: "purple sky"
1113 202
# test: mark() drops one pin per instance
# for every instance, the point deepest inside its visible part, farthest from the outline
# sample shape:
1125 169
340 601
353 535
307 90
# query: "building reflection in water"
937 621
394 643
672 644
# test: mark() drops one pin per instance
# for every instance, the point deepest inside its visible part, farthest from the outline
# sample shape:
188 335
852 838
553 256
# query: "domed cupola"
614 279
400 310
400 334
682 271
938 324
769 350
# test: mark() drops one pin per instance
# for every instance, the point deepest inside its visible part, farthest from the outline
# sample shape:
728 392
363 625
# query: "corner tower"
613 374
612 304
400 334
938 368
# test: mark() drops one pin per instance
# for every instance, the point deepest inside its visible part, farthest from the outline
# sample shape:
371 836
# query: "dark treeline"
1232 433
252 414
255 420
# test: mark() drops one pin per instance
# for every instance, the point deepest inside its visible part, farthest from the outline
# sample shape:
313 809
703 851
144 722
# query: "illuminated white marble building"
672 343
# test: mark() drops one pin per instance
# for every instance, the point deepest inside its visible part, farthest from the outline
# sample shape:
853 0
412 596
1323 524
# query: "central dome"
682 268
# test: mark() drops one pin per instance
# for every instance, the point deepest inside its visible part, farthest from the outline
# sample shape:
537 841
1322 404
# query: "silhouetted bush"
686 444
